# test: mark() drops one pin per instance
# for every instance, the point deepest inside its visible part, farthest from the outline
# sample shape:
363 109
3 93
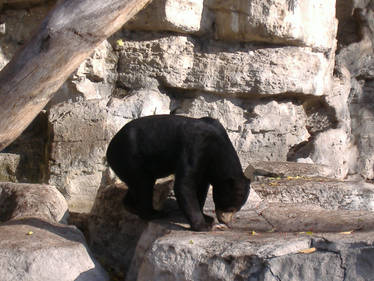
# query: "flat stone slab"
269 256
35 249
287 169
327 193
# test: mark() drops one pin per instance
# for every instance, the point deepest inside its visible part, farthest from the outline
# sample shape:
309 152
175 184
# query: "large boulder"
167 253
33 245
184 63
35 249
32 200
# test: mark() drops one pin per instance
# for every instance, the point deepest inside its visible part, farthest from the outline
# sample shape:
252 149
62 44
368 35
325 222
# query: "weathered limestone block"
111 231
356 55
255 127
183 16
303 217
79 138
34 249
232 255
181 62
8 167
329 194
80 133
137 104
95 78
306 23
336 149
33 245
31 200
287 169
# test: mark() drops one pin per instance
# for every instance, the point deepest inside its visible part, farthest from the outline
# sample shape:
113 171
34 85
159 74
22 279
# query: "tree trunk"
65 38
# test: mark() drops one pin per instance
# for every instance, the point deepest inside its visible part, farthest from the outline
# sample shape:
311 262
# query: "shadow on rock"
113 233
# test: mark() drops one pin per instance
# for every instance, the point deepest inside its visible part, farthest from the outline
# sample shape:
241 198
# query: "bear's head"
229 196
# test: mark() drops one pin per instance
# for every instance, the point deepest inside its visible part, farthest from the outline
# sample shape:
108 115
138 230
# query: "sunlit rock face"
265 70
276 21
289 80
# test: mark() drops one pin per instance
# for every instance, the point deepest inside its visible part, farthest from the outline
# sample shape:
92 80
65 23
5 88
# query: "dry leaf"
346 232
120 43
307 251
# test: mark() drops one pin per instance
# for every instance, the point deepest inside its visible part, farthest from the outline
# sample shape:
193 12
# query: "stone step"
267 216
327 193
164 253
263 234
287 169
37 249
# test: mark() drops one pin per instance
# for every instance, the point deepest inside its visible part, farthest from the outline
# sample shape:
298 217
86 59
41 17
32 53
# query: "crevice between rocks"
25 5
318 244
272 273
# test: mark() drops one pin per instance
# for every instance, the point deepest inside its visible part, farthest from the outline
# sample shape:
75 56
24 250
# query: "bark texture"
65 38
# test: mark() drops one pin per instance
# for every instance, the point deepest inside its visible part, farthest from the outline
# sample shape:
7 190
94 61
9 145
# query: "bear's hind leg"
139 198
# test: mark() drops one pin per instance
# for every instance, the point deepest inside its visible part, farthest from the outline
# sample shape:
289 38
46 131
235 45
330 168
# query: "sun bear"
197 151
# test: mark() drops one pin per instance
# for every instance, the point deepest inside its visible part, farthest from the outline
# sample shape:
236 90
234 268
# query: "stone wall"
285 79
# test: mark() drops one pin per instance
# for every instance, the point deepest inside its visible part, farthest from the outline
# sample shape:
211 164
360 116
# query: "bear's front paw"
205 225
209 220
201 227
152 215
220 227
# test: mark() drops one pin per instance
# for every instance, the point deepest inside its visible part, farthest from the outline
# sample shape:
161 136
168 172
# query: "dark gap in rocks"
349 23
30 145
18 5
7 205
321 116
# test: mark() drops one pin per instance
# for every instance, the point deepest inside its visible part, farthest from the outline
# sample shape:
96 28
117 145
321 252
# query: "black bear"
198 151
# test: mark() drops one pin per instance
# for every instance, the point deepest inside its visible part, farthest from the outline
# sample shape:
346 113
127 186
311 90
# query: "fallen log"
66 37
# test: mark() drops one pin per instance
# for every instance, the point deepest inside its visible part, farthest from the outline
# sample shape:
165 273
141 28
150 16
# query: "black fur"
197 151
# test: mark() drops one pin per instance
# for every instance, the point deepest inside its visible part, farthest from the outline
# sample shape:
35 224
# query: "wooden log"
66 37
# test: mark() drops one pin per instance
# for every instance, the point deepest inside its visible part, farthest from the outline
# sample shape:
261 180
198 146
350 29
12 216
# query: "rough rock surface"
8 167
270 229
326 193
270 242
279 21
265 70
264 256
183 16
286 83
185 63
31 200
33 245
287 169
35 249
